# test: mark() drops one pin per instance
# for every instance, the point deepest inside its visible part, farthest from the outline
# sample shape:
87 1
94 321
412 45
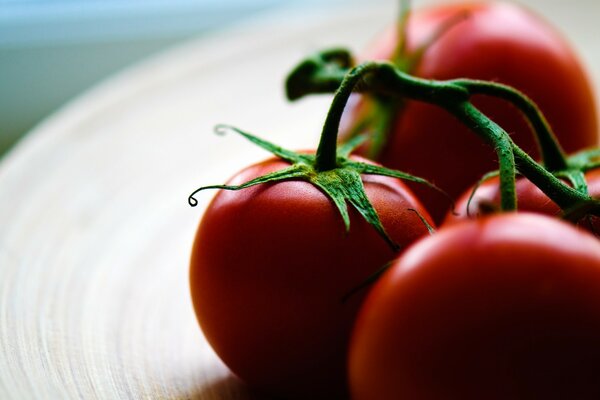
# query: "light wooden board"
95 230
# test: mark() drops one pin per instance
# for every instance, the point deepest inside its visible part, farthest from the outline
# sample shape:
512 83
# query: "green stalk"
383 78
326 158
552 154
400 50
497 137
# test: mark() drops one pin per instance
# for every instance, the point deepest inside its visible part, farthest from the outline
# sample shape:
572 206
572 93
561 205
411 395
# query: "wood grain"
95 230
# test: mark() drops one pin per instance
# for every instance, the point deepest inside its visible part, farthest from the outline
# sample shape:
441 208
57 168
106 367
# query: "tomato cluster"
495 41
497 303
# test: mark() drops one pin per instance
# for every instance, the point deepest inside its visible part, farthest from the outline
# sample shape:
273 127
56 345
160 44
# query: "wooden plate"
95 230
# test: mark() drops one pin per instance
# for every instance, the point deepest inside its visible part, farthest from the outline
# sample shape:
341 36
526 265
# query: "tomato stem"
328 67
383 78
409 61
497 137
403 17
326 158
552 154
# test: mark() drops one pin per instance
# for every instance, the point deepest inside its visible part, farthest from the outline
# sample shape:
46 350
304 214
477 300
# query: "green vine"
384 79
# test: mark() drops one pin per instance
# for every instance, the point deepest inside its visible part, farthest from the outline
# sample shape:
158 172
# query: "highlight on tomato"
503 307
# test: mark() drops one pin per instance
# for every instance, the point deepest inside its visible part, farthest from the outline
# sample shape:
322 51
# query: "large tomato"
500 42
269 268
505 307
529 198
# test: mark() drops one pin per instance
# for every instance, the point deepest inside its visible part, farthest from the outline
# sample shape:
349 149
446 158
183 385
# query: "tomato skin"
500 42
269 268
505 307
529 198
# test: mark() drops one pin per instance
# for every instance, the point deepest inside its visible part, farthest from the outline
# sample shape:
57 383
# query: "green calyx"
341 184
331 169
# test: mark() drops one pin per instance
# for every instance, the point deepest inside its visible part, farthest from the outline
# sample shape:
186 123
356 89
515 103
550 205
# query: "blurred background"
52 50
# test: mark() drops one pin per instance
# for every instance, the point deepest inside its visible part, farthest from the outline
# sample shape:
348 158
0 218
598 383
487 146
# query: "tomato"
504 307
529 198
500 42
269 268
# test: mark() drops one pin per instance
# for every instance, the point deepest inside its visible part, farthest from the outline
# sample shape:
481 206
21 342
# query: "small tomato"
529 198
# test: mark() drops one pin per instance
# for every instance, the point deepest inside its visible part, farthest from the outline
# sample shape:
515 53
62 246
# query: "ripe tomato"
269 268
505 307
529 198
500 42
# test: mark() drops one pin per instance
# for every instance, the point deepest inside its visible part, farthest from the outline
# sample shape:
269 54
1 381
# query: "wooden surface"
95 230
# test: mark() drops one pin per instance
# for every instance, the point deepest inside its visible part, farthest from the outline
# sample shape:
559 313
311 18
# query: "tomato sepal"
342 185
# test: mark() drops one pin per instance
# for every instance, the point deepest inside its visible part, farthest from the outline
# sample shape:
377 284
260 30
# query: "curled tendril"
192 201
223 129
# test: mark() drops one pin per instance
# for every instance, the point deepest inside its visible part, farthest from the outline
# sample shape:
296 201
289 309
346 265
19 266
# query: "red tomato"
269 268
529 198
500 42
505 307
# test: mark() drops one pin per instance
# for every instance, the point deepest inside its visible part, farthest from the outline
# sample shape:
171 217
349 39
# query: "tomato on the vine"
270 266
494 41
503 307
529 197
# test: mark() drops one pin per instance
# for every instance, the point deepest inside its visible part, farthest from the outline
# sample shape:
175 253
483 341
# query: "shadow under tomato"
228 388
